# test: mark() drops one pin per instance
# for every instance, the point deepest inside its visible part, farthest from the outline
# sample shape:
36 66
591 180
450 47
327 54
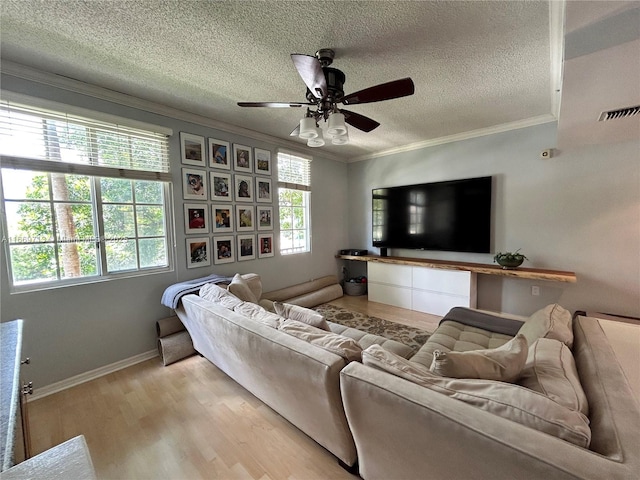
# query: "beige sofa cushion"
367 339
301 314
216 294
552 321
254 282
240 288
551 370
346 347
453 336
256 312
513 402
503 363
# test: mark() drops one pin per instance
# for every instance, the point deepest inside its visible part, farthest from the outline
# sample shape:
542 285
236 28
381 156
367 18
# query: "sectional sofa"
437 427
377 406
291 366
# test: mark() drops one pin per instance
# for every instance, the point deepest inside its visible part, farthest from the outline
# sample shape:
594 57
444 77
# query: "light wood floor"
188 421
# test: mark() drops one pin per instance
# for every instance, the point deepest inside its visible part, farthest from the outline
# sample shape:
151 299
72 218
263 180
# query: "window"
82 199
294 192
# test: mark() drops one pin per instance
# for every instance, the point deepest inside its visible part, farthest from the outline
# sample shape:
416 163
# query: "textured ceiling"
475 64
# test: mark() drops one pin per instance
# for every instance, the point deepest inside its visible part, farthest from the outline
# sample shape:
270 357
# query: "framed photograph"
194 184
192 150
263 161
196 218
265 245
244 218
219 154
221 186
263 190
222 218
224 248
242 158
243 188
198 252
265 218
246 247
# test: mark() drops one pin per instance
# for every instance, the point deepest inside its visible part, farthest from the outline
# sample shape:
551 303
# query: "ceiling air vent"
619 113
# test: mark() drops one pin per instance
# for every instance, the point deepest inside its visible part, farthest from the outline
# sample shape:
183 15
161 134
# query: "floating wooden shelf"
520 272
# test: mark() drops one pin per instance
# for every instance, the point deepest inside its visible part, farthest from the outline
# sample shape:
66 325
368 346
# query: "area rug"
410 336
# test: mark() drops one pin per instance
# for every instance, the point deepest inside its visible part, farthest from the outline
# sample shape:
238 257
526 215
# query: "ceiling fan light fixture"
340 139
308 128
318 140
336 125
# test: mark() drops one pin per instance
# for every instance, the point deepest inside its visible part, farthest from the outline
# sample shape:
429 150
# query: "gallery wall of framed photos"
227 193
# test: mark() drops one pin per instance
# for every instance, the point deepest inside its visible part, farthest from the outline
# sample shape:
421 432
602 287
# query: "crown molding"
505 127
70 84
77 86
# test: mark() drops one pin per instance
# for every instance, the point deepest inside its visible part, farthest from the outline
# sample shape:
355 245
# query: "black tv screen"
452 216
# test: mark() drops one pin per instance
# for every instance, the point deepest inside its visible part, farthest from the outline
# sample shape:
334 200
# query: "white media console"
436 286
423 289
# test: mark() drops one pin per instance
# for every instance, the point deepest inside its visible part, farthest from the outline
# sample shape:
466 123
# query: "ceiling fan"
325 92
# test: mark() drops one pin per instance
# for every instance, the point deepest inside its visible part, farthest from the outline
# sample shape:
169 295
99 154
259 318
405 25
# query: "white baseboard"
90 375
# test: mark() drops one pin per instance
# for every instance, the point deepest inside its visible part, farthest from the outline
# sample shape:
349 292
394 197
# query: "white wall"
578 211
73 330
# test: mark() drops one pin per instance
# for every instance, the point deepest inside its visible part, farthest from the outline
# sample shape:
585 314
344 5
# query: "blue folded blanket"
172 295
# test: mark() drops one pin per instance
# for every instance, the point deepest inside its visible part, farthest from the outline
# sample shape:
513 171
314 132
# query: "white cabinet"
424 289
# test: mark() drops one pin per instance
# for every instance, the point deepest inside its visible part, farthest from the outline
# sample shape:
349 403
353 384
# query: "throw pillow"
552 321
219 295
506 400
551 370
254 282
256 312
301 314
240 288
212 292
503 363
346 347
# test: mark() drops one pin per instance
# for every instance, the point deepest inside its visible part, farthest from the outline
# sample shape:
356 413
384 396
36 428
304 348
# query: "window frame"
300 182
95 173
102 274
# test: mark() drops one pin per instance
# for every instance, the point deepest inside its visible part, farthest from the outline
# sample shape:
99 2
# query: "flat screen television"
452 216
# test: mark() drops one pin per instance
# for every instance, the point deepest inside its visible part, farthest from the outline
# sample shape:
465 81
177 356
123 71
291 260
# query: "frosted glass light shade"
340 139
317 141
308 128
336 125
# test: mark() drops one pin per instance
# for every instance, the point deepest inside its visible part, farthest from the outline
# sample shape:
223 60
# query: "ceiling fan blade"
384 91
273 104
311 72
296 131
361 122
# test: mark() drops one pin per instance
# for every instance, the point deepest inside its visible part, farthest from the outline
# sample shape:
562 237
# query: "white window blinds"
53 141
294 171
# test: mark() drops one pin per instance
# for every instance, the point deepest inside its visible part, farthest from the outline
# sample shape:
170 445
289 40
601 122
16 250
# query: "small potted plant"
509 260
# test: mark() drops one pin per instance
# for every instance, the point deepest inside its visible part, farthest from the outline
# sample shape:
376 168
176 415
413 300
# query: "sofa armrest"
403 430
493 322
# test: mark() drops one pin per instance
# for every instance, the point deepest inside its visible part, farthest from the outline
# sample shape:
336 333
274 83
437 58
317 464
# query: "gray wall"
578 211
76 329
